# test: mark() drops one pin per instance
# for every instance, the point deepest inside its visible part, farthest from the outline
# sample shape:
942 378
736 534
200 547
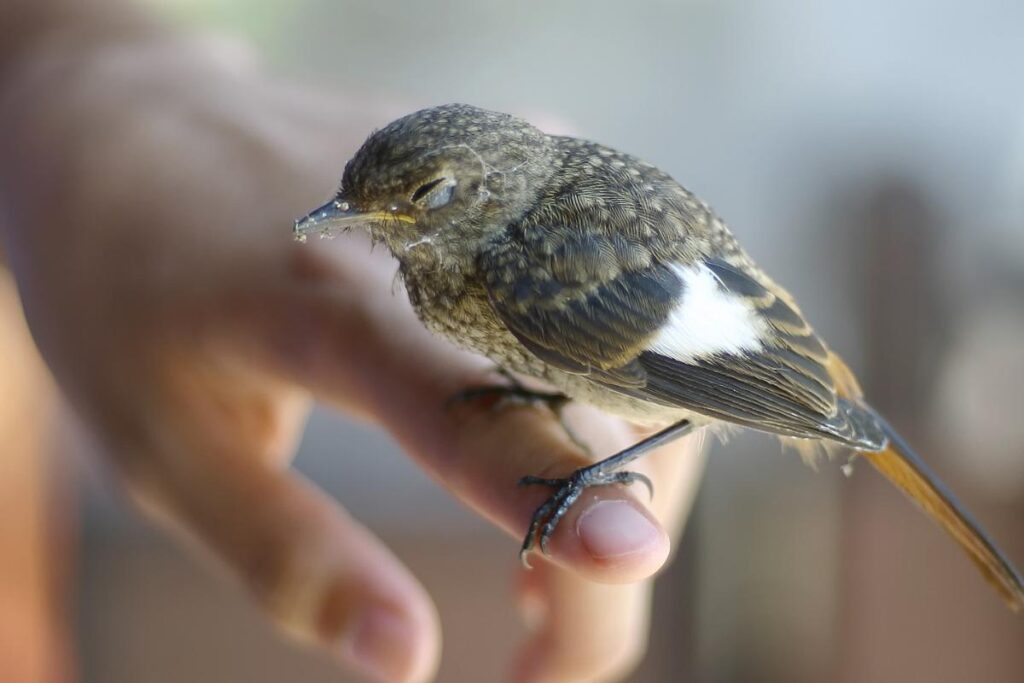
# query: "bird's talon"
547 517
501 396
633 477
531 481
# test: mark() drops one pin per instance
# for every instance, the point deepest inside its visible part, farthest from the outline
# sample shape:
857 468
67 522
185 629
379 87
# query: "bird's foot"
567 491
500 396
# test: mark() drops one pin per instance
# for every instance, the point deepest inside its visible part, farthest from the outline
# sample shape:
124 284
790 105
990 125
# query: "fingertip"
378 620
613 540
620 536
392 644
326 580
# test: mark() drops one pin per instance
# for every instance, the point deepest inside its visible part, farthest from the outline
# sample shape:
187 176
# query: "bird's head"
434 183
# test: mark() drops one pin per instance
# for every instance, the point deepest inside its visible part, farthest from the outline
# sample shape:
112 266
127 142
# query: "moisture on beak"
334 217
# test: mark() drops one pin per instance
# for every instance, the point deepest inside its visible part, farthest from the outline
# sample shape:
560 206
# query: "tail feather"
902 466
907 471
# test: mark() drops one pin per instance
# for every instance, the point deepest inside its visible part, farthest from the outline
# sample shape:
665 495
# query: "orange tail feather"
908 472
905 469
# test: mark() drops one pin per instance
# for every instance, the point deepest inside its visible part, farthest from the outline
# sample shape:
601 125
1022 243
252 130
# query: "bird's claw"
514 393
505 395
567 491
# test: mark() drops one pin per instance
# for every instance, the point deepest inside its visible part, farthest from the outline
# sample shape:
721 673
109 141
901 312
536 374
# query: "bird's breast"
453 306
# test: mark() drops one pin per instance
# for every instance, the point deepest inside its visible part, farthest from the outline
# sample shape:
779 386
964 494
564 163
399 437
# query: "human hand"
151 190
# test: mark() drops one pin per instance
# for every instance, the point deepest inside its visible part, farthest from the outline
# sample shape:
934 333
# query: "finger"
583 631
612 534
342 334
322 576
36 508
609 534
481 454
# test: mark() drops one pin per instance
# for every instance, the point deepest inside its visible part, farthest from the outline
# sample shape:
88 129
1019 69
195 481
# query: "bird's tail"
904 468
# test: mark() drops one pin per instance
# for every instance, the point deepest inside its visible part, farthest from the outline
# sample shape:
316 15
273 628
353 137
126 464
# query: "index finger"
354 345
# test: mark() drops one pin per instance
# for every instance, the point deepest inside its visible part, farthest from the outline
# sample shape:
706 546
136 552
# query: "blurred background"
870 155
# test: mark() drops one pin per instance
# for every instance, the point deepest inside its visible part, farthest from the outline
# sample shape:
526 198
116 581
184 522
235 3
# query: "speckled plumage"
559 265
588 268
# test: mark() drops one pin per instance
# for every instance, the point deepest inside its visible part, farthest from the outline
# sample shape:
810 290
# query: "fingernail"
613 528
381 643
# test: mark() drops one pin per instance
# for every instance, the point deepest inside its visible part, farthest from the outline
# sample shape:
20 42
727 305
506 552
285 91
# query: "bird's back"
636 297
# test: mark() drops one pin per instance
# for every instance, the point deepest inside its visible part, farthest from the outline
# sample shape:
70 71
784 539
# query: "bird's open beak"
332 218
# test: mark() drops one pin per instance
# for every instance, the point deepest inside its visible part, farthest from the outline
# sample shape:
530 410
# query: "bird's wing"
707 336
753 360
583 302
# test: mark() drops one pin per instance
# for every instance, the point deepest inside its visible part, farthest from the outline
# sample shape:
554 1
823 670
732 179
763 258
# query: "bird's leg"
513 392
569 489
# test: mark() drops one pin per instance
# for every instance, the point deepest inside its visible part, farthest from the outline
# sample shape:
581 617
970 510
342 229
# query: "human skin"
149 181
32 530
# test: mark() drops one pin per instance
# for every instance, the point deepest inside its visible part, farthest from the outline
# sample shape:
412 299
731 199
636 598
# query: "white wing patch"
709 320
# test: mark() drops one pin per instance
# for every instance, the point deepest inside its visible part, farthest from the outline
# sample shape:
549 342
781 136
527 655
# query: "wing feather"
590 304
576 302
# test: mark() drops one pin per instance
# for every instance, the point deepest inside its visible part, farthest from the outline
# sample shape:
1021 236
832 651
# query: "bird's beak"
330 219
338 215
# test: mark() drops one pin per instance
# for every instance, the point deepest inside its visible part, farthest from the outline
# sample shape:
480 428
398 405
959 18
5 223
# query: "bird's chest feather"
453 305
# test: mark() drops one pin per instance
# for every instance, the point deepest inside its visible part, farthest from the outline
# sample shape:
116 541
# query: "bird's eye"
437 193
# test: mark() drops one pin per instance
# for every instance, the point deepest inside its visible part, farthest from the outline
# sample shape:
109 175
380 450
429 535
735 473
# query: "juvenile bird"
568 261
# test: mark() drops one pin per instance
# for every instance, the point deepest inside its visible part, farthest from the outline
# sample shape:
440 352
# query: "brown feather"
901 466
920 486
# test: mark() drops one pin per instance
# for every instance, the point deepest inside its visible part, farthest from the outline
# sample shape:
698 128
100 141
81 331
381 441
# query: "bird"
567 261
